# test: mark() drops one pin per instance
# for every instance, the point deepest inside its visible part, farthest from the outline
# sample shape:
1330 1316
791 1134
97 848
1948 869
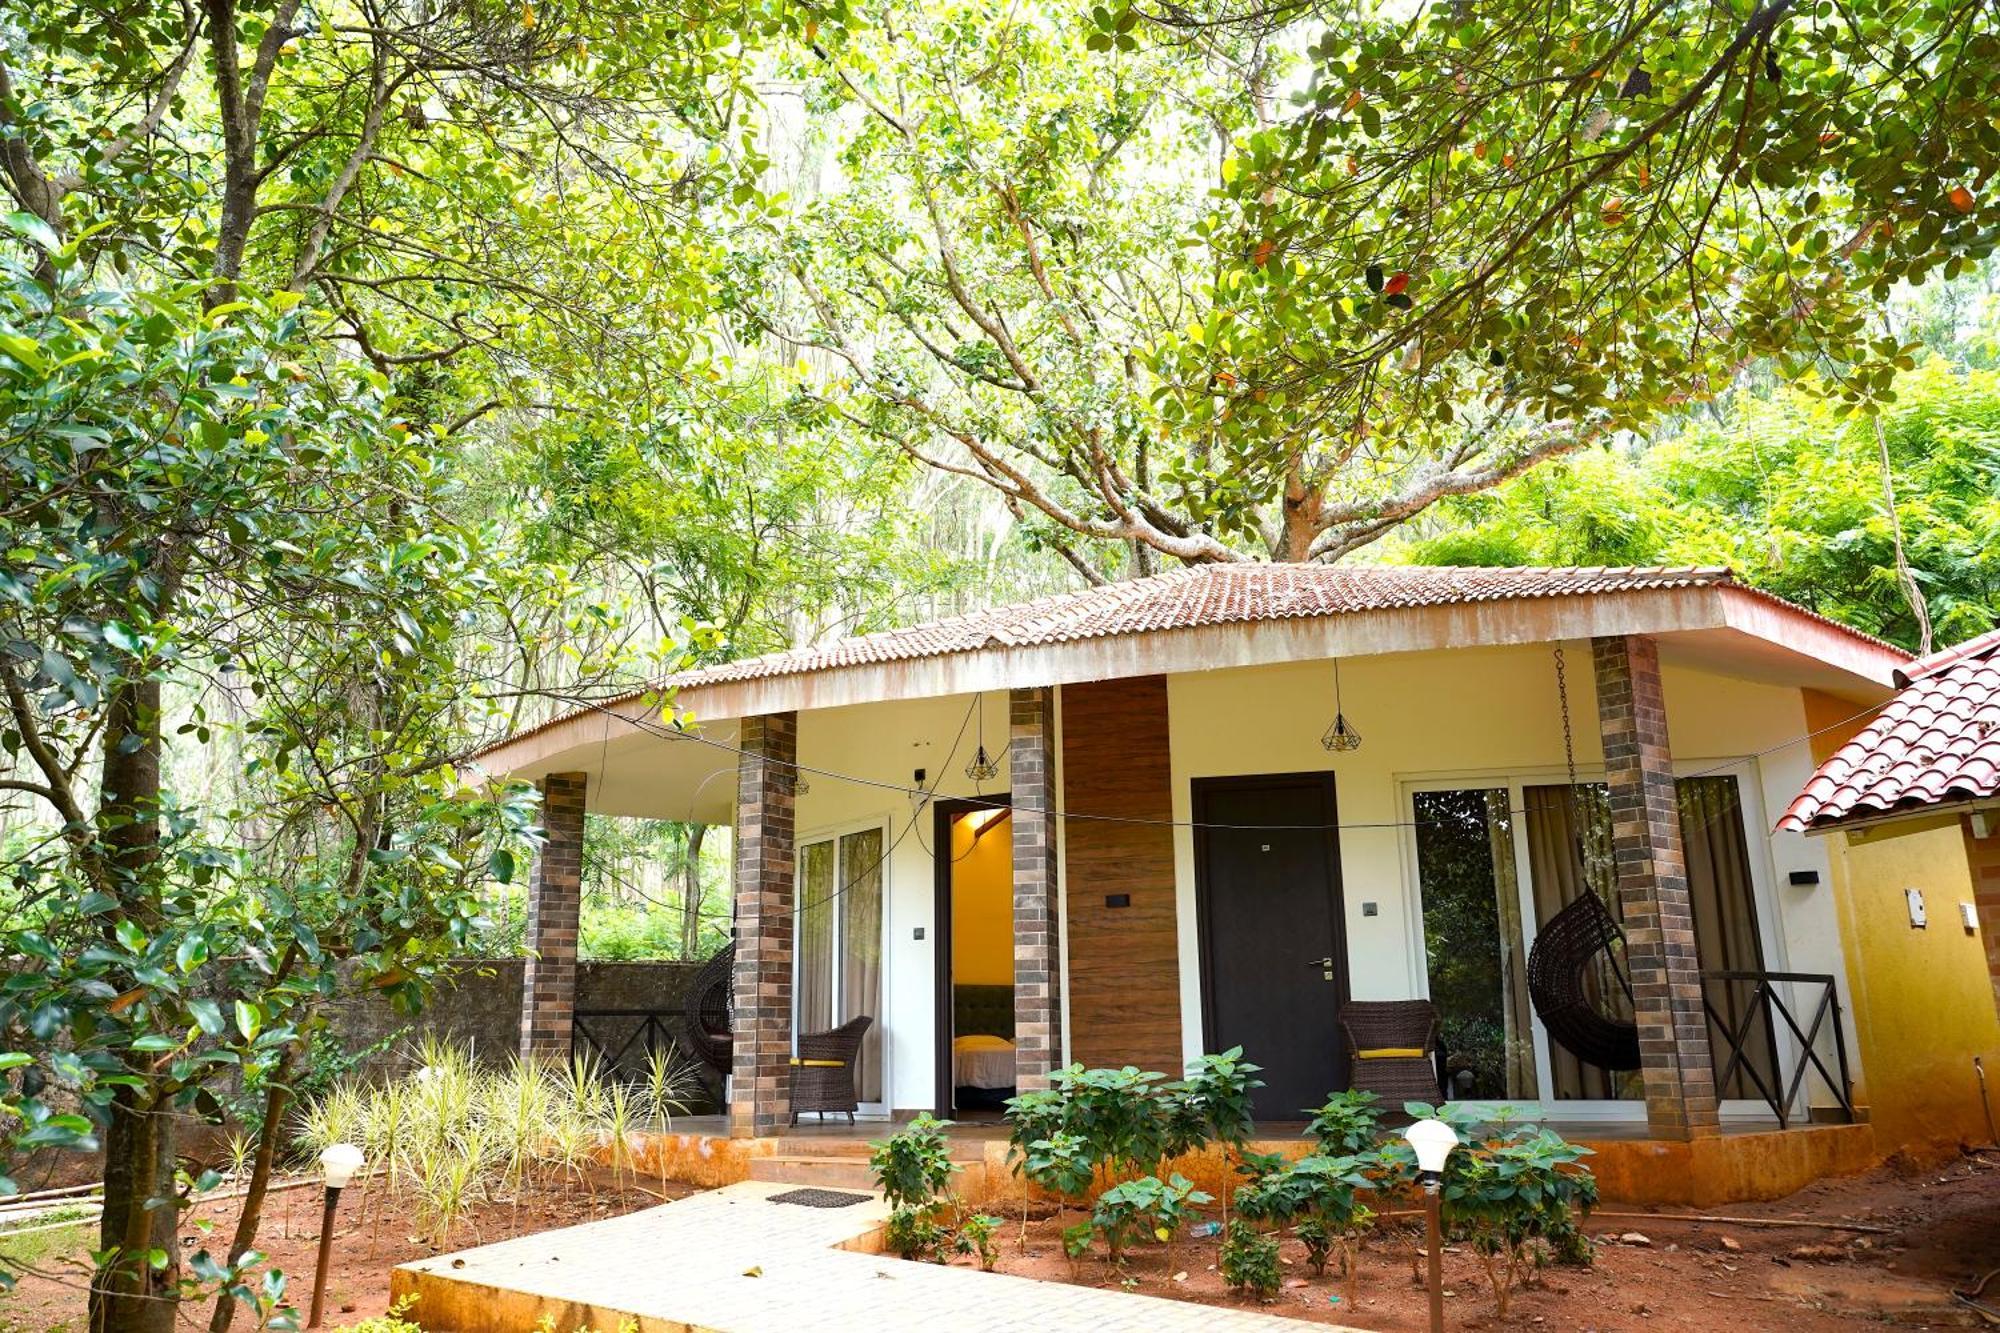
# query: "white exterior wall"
1478 714
1472 713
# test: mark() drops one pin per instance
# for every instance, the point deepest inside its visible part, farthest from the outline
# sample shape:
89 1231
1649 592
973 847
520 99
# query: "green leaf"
207 1015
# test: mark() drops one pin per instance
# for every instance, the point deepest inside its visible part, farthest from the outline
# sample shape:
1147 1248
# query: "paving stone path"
732 1261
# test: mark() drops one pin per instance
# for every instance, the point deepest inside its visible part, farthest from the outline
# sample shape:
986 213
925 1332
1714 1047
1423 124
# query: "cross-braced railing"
1748 1028
625 1041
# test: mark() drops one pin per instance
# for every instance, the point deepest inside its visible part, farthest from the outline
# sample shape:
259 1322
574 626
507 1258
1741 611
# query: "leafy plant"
1146 1206
975 1236
914 1166
1249 1261
1506 1194
1347 1123
1116 1113
1076 1243
917 1231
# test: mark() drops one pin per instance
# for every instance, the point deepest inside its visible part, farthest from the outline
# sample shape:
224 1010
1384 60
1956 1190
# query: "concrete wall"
480 1006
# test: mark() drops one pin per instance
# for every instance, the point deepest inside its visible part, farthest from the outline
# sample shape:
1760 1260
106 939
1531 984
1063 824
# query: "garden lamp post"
1433 1140
338 1163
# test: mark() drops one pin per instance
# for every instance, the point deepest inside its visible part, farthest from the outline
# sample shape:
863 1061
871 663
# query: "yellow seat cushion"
1393 1053
819 1064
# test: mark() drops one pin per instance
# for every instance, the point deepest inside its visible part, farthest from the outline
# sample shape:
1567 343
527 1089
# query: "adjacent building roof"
1937 743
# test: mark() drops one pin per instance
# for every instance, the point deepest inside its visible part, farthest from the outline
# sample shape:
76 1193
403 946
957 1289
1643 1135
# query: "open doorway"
975 953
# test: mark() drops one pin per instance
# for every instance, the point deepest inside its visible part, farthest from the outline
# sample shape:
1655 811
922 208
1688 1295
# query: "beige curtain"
1569 854
861 950
1721 898
1516 1008
1725 925
814 989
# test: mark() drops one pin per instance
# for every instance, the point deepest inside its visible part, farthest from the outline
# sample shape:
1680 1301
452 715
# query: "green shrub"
1145 1206
913 1167
975 1236
1249 1261
1348 1123
918 1231
1318 1240
1509 1190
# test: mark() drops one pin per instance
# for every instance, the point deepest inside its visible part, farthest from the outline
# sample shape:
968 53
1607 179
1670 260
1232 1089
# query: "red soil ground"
373 1235
1942 1230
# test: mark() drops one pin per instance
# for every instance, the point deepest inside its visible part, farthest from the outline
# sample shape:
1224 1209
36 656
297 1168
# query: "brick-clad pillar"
548 984
761 1087
1037 960
1653 890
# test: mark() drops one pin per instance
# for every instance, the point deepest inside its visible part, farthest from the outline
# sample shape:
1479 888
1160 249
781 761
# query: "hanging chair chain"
1569 740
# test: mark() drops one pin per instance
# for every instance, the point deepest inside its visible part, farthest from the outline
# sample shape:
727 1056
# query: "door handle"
1325 966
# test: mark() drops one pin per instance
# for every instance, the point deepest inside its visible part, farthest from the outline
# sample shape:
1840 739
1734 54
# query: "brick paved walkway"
687 1267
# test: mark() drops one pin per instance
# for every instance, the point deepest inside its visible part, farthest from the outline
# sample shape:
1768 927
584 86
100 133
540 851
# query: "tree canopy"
1157 283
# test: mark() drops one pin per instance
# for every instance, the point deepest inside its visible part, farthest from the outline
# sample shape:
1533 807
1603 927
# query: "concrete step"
805 1145
837 1173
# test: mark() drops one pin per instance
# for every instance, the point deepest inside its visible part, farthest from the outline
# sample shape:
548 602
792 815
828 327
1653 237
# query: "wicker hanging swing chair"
711 1010
1562 960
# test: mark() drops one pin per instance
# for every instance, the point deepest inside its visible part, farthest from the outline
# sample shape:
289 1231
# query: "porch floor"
731 1260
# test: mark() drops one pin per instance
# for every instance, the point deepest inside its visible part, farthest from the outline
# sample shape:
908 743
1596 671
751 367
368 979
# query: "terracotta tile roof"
1936 742
1204 595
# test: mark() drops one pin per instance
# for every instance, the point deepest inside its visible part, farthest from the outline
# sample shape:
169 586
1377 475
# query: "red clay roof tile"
1205 595
1936 742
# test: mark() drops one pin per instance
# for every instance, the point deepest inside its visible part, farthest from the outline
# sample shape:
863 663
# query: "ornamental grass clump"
453 1134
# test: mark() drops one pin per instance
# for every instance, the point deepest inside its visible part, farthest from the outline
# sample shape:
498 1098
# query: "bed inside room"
982 961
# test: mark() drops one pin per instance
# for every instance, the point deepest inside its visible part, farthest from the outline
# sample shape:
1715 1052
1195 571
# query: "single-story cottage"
1168 816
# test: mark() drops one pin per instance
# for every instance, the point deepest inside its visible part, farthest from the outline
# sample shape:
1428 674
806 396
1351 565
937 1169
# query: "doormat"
812 1198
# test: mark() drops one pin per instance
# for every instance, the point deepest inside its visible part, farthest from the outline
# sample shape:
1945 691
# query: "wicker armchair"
823 1070
1393 1050
711 1010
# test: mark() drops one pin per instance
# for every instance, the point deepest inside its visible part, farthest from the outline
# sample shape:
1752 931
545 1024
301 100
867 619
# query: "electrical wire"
665 731
925 795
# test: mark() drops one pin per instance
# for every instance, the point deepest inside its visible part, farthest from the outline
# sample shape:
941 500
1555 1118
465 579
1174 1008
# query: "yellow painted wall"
1921 1000
982 903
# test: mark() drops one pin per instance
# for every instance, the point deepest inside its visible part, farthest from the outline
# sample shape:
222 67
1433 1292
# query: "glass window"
1570 852
839 944
1472 940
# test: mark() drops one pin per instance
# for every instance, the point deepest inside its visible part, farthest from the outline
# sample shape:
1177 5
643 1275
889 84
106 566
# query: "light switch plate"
917 934
1368 909
1915 898
1969 914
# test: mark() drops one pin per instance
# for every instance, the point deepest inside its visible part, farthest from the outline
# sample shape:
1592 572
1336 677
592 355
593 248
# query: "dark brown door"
1267 859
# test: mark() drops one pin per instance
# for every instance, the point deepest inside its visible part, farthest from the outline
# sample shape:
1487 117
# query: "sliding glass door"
1496 861
839 944
1473 944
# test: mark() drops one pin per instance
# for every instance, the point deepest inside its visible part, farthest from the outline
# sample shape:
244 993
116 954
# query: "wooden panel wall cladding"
1124 971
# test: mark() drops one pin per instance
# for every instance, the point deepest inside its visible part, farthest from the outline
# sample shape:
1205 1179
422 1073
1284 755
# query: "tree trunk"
128 1295
691 892
277 1095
